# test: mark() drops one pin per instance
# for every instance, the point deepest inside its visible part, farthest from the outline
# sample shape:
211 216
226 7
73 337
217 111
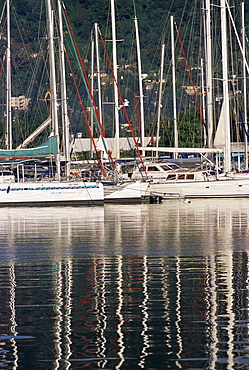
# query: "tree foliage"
28 29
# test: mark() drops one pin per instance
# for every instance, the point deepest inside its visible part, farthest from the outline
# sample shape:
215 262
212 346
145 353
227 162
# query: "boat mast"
227 153
209 81
116 154
203 100
98 72
8 83
54 105
65 119
174 84
244 82
160 95
92 84
140 79
96 28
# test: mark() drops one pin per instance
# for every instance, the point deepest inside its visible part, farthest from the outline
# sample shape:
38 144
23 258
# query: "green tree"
190 129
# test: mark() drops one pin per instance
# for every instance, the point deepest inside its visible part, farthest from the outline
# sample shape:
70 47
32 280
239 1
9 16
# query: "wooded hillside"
28 36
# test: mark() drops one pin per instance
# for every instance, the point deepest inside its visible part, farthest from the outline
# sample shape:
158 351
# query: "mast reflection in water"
161 286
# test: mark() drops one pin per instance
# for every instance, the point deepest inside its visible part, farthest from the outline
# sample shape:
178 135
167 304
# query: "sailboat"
50 192
203 184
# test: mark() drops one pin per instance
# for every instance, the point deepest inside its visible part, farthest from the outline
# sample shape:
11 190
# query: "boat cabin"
158 172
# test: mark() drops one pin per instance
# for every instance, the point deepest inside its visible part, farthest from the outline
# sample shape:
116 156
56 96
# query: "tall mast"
65 119
209 81
8 83
227 154
98 72
92 84
54 115
203 100
115 68
174 83
160 94
244 82
140 79
98 80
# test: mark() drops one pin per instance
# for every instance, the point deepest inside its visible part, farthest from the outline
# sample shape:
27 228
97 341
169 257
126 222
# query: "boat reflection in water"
138 286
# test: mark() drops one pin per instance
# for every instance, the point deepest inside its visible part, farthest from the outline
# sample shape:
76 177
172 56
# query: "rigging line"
246 37
130 82
87 84
24 50
234 96
237 36
192 45
122 102
2 65
190 77
138 116
23 36
134 8
188 33
1 18
41 39
239 110
232 46
75 134
84 114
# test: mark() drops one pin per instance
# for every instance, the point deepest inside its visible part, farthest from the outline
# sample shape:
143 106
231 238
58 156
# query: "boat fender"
8 189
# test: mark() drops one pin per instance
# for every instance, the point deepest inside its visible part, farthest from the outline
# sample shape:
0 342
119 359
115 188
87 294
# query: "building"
20 102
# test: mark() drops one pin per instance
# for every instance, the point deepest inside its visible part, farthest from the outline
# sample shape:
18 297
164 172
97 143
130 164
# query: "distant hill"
153 19
28 34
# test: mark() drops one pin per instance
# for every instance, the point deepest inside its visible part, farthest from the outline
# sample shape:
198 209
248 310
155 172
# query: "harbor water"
148 286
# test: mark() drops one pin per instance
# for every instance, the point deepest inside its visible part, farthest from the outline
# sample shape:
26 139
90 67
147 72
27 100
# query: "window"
181 176
171 177
152 168
190 176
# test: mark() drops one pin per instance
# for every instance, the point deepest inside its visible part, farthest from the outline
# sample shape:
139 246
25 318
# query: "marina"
107 180
124 223
172 275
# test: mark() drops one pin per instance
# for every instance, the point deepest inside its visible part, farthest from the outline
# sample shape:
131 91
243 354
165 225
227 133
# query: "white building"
20 102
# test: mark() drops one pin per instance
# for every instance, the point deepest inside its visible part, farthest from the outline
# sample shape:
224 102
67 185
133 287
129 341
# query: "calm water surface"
153 286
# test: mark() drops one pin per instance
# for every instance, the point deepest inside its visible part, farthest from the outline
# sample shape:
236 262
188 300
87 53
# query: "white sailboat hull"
51 193
127 192
225 188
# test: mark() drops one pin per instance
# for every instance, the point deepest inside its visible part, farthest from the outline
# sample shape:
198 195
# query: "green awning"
49 147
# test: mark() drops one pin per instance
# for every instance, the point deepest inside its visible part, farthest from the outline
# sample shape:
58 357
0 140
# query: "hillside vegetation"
28 43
